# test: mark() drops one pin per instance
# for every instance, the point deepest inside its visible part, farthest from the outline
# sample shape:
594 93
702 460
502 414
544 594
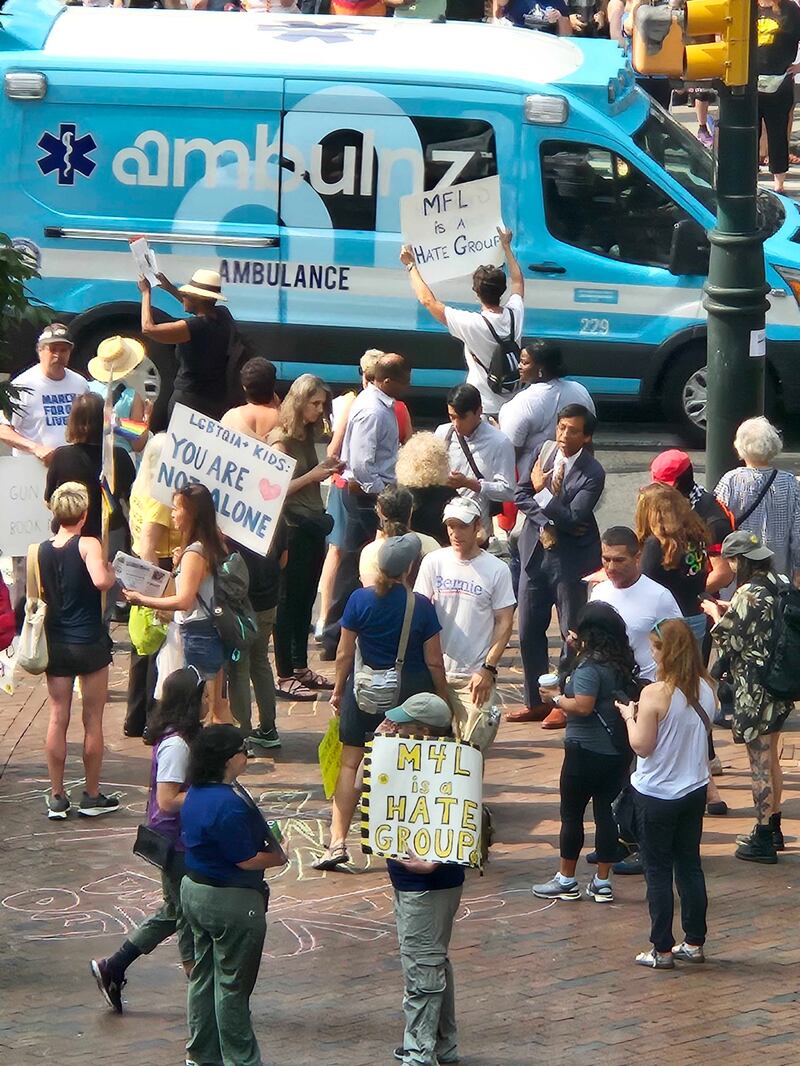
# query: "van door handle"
546 268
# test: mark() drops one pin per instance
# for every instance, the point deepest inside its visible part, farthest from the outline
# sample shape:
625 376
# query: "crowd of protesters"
423 572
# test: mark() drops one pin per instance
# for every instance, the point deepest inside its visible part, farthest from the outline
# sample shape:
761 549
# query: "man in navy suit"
559 545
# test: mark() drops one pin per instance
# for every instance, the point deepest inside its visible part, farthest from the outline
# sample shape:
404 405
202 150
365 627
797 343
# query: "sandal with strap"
310 679
290 688
333 856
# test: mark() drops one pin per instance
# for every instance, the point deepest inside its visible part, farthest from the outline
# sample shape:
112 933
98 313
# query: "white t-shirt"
641 605
466 594
528 419
173 760
45 408
470 327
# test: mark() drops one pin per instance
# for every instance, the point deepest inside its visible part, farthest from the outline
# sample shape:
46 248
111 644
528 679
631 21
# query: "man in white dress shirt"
481 457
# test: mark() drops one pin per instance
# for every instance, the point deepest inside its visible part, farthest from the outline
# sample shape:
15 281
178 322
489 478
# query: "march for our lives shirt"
45 405
466 594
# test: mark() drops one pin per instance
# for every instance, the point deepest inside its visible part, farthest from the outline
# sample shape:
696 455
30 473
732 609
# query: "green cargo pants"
229 926
424 927
169 918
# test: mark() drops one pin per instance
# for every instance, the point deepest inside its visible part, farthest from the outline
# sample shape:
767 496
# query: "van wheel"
685 395
153 378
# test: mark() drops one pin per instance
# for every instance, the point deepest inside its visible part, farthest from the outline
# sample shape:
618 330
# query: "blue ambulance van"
275 149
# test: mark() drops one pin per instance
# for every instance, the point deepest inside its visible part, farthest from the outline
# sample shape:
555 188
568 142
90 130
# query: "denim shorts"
202 648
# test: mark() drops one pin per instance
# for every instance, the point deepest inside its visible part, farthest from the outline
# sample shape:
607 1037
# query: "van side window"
598 201
453 151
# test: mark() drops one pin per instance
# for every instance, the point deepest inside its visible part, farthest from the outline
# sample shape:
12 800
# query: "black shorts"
356 727
78 660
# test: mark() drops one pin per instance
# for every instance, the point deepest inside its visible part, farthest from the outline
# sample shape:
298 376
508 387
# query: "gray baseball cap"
397 554
425 708
747 544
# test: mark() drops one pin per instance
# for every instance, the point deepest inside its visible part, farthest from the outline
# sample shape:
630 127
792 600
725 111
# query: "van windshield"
683 157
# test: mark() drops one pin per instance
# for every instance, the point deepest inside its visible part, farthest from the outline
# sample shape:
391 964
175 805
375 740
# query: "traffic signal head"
660 33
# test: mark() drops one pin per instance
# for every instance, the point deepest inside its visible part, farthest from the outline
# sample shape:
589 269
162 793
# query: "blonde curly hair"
422 462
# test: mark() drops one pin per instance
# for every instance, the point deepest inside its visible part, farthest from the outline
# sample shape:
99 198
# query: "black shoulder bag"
495 507
764 490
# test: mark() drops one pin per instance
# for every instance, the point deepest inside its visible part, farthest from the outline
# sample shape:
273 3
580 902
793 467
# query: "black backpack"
502 373
780 674
231 611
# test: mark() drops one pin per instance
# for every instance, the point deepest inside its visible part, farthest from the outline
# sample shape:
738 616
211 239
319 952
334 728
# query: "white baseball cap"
462 509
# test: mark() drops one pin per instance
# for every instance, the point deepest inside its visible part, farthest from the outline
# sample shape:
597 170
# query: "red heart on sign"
268 490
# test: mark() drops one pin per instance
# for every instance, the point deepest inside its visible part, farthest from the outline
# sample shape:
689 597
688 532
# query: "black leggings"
298 590
585 776
774 110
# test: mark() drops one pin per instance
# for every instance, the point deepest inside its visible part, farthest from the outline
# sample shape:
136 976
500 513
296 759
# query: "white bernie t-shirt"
46 406
470 327
640 605
466 594
173 760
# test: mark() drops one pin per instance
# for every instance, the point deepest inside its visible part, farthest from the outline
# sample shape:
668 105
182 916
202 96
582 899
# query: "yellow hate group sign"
422 796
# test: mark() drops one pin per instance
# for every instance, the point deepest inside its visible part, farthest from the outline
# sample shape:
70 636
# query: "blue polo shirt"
378 620
220 830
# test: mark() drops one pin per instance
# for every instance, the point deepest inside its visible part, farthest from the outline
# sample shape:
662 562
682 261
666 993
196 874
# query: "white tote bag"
170 657
32 654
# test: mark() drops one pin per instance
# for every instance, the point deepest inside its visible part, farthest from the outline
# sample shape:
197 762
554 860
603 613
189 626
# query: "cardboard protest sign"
453 231
422 796
25 518
247 479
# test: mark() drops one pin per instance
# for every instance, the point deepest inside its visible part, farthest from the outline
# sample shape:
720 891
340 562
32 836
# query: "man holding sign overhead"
494 331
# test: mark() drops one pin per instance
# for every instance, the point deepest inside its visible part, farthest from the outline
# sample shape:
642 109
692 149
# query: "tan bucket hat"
206 284
116 357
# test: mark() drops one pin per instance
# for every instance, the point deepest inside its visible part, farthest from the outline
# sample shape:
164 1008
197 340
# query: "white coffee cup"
548 681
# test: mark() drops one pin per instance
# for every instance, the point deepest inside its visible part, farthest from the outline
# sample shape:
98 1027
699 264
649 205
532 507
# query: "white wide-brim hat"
116 357
206 284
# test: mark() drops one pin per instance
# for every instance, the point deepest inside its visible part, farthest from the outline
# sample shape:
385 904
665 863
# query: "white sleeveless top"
678 764
206 590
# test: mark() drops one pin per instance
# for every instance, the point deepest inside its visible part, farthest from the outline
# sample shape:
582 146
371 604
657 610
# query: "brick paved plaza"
537 982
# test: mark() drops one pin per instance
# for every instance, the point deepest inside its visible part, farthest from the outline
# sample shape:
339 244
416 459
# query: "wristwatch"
556 701
490 668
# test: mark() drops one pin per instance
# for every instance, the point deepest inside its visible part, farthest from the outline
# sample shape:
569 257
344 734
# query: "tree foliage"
18 309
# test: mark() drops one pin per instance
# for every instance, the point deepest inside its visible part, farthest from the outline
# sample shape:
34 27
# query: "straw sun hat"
206 284
116 357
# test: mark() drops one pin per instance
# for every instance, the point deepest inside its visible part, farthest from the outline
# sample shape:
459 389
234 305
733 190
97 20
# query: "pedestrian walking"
203 342
764 500
778 37
299 428
369 458
674 467
174 725
559 545
224 898
471 591
198 559
529 418
253 664
481 457
674 552
81 459
640 601
423 467
744 637
376 623
597 755
427 896
668 730
71 573
154 539
495 327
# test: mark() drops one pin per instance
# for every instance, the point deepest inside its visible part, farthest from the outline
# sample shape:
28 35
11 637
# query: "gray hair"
757 440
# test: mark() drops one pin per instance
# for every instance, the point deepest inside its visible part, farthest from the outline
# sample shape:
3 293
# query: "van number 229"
595 325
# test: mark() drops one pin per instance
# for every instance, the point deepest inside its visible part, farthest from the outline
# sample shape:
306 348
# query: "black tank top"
74 614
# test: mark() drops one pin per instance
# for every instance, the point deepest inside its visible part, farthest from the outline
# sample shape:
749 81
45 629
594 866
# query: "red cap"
669 466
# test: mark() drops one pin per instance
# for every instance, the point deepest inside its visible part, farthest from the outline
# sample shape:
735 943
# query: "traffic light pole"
735 292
